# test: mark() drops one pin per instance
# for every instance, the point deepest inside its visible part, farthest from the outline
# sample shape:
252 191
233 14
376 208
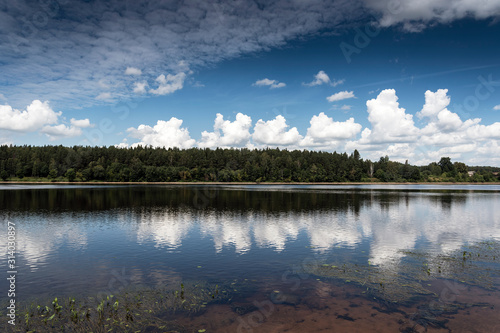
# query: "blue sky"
408 79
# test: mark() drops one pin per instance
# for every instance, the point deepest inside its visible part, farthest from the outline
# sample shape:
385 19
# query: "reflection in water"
390 226
389 220
101 240
35 241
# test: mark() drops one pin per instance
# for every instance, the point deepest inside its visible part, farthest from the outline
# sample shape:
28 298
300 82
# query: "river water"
284 258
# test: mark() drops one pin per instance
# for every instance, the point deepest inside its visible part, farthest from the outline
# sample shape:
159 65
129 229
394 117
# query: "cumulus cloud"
82 123
274 133
444 133
323 78
416 15
273 84
324 129
496 107
61 131
234 134
164 134
446 128
40 117
391 132
36 115
439 116
168 84
133 71
390 123
340 96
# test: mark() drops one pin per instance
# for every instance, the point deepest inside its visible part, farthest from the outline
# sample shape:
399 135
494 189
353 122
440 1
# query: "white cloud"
496 107
439 116
434 103
169 84
398 152
140 87
122 144
319 79
103 96
324 128
337 82
328 134
345 107
40 117
234 134
273 84
61 131
390 123
163 134
101 40
323 78
340 96
483 132
416 15
274 133
391 132
36 115
82 123
133 71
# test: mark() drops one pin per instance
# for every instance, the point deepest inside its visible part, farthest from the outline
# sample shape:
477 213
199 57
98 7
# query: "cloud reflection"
387 224
389 228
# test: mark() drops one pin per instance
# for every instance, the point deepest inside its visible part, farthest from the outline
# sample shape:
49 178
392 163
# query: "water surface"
294 258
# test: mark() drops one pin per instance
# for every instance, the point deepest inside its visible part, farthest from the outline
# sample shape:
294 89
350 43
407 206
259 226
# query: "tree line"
148 164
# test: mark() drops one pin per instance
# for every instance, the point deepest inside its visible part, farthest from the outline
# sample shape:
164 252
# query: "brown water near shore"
321 306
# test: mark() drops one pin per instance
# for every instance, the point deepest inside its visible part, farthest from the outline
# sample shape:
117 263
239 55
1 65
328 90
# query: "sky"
413 80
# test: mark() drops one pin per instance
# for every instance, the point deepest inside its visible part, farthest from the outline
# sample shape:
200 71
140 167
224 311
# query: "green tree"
70 174
380 175
53 174
461 167
99 172
446 165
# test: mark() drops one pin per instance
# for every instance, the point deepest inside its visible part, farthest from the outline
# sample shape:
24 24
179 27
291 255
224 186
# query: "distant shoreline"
242 183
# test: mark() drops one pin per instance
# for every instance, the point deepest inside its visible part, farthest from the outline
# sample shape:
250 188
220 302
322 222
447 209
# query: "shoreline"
242 183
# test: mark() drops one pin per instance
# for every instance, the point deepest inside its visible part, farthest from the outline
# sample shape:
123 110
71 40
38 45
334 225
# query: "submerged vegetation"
404 280
131 311
148 164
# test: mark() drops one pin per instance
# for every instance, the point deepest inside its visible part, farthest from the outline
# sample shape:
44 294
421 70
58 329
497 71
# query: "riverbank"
241 183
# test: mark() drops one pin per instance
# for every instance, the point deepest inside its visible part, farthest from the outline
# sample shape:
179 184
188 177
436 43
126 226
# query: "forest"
148 164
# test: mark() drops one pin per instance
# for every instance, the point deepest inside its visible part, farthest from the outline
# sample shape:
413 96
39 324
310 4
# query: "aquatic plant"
476 264
132 310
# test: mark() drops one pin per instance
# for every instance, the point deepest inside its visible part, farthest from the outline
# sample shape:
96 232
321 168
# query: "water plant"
130 311
408 278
